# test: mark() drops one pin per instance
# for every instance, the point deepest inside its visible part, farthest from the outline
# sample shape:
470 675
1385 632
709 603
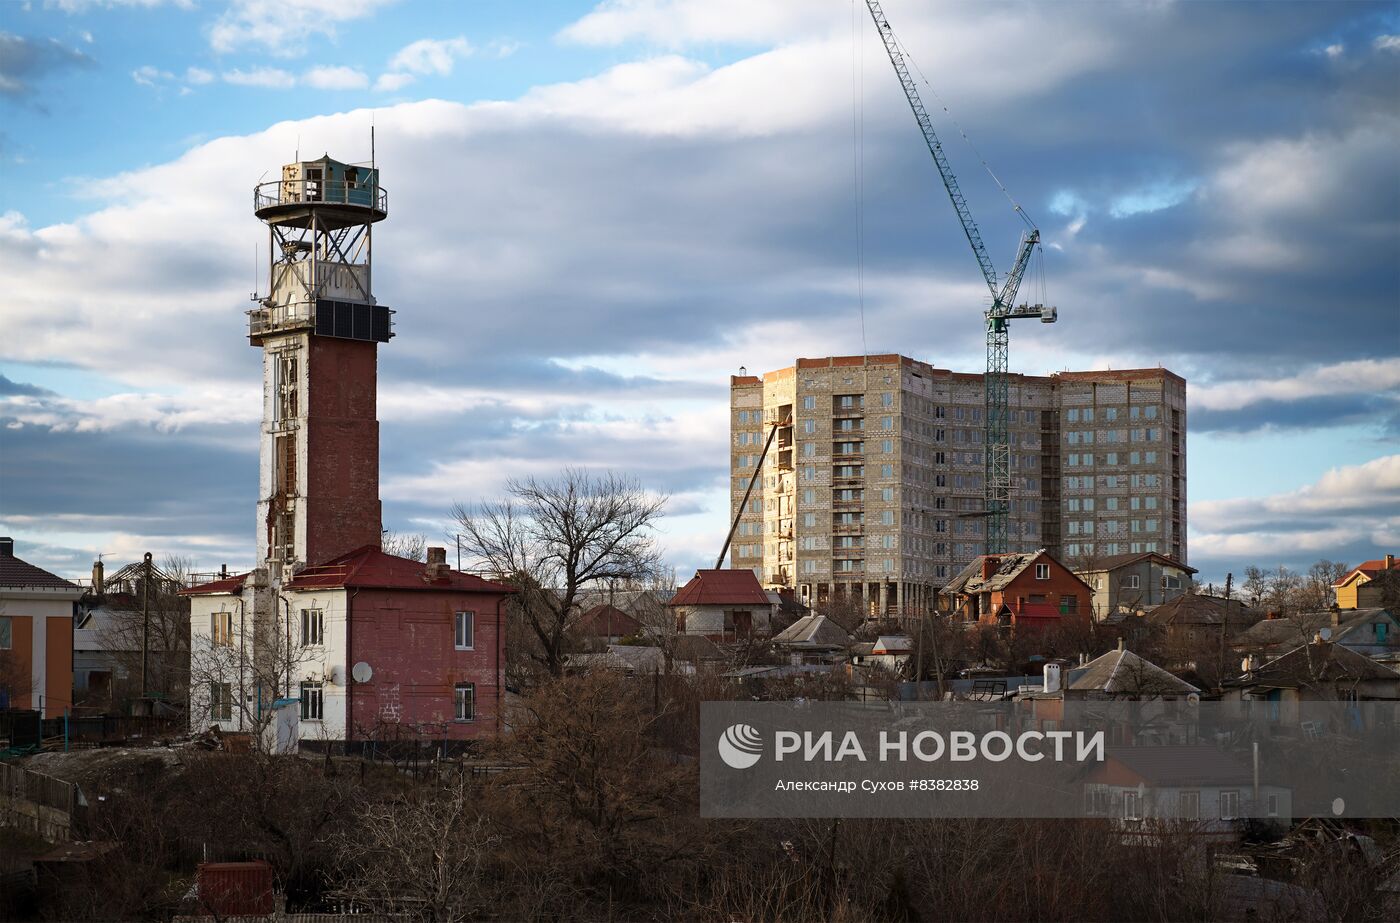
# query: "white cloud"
198 76
430 56
149 76
388 83
335 78
1387 43
1348 505
675 23
271 78
1362 376
1335 50
284 26
82 6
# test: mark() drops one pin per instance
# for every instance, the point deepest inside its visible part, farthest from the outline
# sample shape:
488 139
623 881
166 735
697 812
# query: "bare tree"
411 545
421 855
555 538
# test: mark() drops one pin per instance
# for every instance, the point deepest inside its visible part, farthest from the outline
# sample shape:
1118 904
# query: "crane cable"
858 167
1021 212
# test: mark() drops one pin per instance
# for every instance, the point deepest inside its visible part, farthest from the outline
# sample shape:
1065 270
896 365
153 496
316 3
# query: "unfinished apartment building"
873 486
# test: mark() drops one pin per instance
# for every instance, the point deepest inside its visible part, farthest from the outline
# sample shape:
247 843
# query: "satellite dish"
361 672
336 675
1326 634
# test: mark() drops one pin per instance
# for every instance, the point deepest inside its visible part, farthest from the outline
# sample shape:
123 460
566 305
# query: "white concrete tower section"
319 327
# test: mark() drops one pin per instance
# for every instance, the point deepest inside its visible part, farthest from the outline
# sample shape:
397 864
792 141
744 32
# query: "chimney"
7 547
97 577
1336 617
1052 678
1390 562
437 563
989 565
1120 643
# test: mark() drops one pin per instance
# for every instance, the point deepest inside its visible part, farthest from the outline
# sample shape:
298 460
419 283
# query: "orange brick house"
36 636
1024 590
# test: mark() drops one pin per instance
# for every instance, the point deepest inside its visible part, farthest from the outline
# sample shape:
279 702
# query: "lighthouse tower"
319 328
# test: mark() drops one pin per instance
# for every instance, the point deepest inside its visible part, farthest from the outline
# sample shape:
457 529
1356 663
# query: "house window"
313 627
1189 805
221 629
809 403
1273 805
1132 806
1170 581
1069 605
221 701
312 701
1130 582
1229 805
464 696
1042 572
6 633
465 634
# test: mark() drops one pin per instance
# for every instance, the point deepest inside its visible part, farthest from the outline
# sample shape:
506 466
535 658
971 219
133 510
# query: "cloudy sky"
598 213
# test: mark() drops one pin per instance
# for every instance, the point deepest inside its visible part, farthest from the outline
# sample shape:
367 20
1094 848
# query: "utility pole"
145 624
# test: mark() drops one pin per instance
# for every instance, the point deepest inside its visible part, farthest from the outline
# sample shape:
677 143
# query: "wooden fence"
50 807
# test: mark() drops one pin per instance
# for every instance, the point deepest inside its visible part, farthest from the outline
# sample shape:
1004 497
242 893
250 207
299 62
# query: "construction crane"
999 315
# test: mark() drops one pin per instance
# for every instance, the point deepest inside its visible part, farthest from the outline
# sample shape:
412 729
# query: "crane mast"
997 480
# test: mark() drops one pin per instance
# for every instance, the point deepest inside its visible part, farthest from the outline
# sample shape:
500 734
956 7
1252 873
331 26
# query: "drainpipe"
500 642
349 663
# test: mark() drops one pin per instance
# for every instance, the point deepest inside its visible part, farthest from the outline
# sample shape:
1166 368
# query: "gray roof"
17 573
1203 609
1125 673
969 579
1318 661
1299 628
813 631
1114 561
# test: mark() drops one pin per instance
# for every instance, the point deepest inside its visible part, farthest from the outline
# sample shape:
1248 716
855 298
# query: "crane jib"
998 461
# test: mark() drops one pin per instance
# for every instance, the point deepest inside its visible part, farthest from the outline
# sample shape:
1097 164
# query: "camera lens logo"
740 746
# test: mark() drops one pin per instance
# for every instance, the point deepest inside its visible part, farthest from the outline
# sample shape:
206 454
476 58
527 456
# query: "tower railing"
305 191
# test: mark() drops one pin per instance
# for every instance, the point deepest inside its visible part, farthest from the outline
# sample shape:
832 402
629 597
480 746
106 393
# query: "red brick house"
433 640
1023 590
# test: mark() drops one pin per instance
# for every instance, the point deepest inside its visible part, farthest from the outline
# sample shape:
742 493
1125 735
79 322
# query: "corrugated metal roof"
224 585
726 587
370 567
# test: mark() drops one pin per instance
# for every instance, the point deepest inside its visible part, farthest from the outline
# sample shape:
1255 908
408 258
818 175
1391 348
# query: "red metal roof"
721 588
222 585
1369 568
368 566
17 573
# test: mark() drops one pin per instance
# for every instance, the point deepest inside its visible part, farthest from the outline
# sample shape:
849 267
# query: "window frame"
220 701
313 618
457 622
1232 796
457 700
1042 572
306 690
221 629
7 635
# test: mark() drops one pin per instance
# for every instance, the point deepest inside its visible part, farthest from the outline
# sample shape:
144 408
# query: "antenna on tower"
371 142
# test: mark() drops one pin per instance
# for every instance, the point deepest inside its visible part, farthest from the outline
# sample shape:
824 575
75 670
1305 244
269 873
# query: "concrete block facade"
875 477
